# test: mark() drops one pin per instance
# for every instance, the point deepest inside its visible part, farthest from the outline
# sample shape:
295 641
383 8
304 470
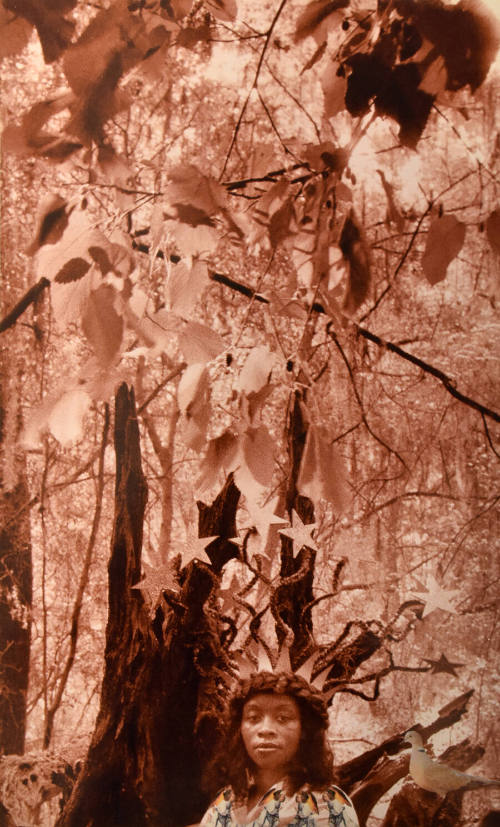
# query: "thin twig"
254 84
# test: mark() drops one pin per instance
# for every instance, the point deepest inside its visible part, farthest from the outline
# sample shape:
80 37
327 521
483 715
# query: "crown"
261 658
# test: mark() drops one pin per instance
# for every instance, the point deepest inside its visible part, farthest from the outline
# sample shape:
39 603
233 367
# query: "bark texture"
157 701
15 571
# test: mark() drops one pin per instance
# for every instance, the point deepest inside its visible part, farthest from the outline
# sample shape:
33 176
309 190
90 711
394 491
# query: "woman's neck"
265 779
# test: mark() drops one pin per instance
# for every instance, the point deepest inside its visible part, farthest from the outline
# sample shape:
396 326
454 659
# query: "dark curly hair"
231 764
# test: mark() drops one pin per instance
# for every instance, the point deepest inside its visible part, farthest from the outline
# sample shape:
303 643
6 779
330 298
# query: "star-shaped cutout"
194 548
435 597
300 533
443 665
156 580
263 517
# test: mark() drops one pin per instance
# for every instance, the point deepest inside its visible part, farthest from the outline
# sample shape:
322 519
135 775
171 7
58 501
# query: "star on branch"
263 517
443 665
156 580
435 597
300 533
194 549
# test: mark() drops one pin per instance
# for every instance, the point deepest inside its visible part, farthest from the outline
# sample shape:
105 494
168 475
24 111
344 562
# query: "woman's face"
271 730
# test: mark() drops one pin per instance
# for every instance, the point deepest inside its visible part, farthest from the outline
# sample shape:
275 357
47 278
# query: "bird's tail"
484 782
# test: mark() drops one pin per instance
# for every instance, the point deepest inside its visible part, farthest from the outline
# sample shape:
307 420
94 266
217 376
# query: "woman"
274 760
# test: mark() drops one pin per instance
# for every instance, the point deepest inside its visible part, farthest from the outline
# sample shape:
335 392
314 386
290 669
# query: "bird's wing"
441 775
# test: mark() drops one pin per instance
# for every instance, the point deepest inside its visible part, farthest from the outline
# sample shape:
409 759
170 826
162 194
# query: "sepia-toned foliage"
278 223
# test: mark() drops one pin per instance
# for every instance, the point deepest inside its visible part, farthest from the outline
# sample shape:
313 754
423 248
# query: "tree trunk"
15 574
159 697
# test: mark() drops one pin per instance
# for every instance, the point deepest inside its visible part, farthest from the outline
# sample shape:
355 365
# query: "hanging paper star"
263 517
300 533
435 597
227 595
194 548
443 665
157 579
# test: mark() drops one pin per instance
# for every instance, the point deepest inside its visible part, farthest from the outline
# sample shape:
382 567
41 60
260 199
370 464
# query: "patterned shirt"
305 808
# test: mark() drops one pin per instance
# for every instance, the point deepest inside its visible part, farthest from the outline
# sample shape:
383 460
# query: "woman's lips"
268 747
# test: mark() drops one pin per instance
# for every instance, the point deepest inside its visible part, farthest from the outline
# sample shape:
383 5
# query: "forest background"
279 226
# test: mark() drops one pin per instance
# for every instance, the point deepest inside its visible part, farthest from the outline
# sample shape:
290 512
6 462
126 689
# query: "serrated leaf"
193 398
200 343
322 474
317 13
493 230
102 325
73 270
444 241
185 286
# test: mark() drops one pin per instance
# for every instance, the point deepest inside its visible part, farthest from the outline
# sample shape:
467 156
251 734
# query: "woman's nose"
267 724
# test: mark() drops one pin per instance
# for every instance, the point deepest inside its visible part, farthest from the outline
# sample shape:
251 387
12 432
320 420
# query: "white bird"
433 775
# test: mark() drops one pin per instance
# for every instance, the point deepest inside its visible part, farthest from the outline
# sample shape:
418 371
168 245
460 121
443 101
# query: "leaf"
102 325
493 230
94 66
315 14
193 378
14 33
73 270
322 474
54 31
52 220
355 252
192 215
77 237
466 35
185 286
193 241
221 456
222 9
65 421
279 223
318 54
400 98
256 371
188 185
111 257
200 343
258 452
193 398
192 35
334 91
444 241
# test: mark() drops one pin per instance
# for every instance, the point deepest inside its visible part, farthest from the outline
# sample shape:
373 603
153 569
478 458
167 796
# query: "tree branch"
28 299
82 585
